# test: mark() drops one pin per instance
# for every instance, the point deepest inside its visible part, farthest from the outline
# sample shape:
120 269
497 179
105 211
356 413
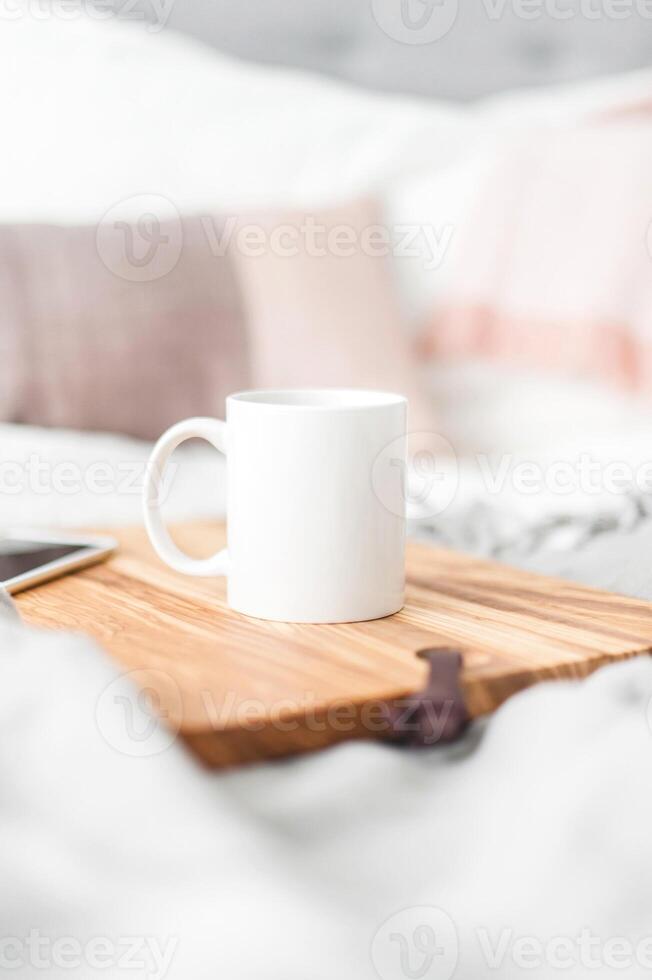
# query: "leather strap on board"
436 714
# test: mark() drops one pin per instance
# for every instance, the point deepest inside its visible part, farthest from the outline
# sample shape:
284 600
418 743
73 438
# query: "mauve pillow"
122 326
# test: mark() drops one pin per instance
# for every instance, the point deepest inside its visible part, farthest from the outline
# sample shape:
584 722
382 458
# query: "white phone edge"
92 549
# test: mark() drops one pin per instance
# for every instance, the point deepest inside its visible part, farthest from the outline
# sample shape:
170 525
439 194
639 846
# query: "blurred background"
451 49
446 198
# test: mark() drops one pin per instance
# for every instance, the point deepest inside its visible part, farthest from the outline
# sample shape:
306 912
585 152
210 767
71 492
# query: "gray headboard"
457 49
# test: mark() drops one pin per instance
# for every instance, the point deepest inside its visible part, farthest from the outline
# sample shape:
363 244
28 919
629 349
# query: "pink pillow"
84 345
322 310
553 265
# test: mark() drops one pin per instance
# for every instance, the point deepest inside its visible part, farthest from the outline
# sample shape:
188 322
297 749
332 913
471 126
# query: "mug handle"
213 431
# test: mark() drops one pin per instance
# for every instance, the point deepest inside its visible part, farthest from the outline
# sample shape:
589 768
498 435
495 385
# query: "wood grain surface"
240 689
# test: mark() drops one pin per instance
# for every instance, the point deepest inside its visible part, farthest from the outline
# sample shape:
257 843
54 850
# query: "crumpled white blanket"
535 827
523 849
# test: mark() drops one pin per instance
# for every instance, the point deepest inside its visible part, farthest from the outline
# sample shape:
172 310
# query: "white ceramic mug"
315 503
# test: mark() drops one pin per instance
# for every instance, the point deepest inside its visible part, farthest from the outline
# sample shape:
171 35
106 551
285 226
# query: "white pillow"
102 111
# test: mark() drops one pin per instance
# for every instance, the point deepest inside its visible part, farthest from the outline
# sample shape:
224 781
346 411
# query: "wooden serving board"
240 689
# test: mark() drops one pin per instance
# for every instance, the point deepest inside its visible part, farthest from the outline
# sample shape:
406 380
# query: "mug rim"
318 399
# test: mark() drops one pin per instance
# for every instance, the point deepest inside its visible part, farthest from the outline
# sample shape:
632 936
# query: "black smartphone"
28 558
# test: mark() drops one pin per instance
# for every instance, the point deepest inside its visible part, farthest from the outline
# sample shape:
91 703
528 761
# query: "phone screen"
18 557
